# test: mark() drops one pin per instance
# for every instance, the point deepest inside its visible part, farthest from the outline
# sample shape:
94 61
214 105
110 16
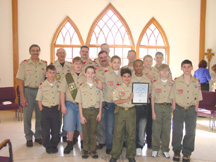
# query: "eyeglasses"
35 50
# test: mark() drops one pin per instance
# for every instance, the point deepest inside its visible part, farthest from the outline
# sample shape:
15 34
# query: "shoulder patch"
51 63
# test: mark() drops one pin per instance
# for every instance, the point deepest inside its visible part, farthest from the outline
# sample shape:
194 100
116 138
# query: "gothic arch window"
68 37
111 28
153 39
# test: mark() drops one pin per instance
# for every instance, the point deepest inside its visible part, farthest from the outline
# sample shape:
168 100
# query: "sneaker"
94 155
131 160
166 154
85 154
139 152
113 159
39 140
69 147
29 143
49 150
75 140
154 154
176 156
186 158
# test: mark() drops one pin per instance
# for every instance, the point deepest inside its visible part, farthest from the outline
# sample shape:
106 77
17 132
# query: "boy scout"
104 65
131 58
68 91
110 79
62 67
152 74
125 118
161 111
90 100
30 74
185 95
48 101
84 54
158 59
141 110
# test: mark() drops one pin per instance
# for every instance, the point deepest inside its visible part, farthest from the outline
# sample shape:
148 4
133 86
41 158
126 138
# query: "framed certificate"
140 92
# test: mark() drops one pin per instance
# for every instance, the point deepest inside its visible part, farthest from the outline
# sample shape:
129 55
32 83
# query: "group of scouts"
95 100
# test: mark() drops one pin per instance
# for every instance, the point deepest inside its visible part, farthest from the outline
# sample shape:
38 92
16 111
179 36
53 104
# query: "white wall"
39 19
210 41
6 51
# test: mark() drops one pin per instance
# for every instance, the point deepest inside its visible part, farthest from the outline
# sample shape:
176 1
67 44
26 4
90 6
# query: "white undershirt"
116 71
90 84
49 83
164 80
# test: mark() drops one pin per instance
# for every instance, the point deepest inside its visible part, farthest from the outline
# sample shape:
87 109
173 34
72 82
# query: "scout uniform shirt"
61 71
131 68
88 63
186 95
100 71
110 81
64 87
48 94
161 90
89 96
32 74
123 92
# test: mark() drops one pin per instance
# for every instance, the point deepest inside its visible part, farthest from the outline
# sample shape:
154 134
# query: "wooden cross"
209 56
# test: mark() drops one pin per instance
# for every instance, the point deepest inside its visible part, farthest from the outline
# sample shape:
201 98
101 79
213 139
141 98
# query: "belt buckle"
186 108
126 108
49 106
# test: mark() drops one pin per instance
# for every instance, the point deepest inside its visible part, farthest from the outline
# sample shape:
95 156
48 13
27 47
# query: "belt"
51 106
186 108
125 108
31 88
91 108
164 104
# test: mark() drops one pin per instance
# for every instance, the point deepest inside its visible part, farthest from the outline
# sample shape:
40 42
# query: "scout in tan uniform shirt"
30 74
84 54
62 68
125 119
152 74
161 112
104 47
131 58
49 103
141 109
185 95
111 79
69 107
104 65
90 100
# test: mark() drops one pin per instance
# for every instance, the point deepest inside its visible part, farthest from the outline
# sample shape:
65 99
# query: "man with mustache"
104 47
30 74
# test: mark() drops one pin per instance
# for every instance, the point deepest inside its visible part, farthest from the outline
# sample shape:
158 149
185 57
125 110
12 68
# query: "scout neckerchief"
71 85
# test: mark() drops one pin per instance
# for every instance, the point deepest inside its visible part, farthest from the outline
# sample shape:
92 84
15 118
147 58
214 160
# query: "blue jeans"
72 117
141 121
109 123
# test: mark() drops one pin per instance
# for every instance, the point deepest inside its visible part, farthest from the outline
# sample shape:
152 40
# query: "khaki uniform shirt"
186 95
161 91
123 92
61 71
157 69
32 74
100 71
131 68
79 80
110 81
48 95
89 96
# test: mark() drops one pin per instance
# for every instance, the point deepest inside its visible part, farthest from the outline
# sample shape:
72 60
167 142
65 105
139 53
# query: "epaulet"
51 63
118 84
94 60
80 84
198 80
105 71
23 61
95 68
44 61
175 79
154 80
41 83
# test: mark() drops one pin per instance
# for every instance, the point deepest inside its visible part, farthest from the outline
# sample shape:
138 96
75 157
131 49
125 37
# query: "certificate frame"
140 92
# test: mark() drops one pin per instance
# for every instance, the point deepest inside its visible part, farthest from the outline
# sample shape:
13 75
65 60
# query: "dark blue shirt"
203 75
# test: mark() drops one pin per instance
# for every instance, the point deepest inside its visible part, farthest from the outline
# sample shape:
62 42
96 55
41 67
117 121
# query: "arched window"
111 28
68 37
153 39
